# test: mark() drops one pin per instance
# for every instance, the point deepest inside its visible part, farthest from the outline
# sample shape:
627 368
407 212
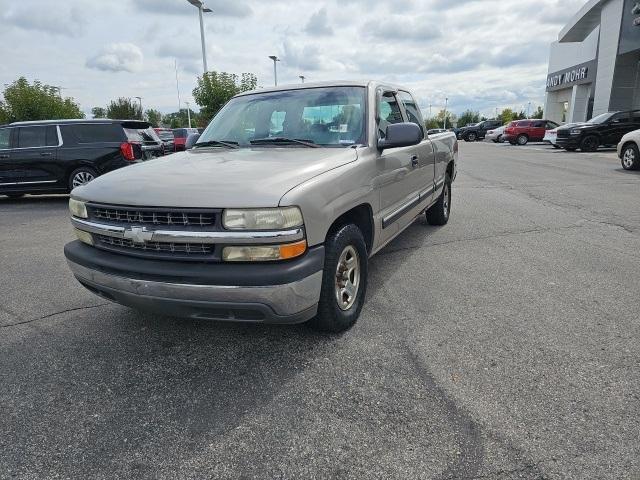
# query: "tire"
630 157
439 212
590 144
13 196
555 146
81 176
341 248
570 149
472 137
522 140
500 139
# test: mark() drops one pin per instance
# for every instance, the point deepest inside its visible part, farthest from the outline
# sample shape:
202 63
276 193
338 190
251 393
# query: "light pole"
446 104
430 111
201 8
275 70
141 114
301 78
188 114
529 110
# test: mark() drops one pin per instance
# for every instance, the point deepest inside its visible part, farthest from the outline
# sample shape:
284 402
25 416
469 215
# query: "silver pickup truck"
274 212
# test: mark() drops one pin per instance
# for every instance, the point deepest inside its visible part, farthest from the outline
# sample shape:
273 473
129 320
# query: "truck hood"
214 178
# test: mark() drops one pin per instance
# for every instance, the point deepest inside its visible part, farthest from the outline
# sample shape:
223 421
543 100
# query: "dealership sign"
584 73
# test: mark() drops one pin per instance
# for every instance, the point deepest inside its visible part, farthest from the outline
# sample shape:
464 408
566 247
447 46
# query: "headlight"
78 208
264 253
262 218
576 131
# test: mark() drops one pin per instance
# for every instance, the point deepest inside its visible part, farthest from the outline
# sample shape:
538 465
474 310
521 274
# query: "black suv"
55 156
605 129
478 131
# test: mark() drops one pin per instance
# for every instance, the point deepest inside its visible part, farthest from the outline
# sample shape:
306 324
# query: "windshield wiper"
284 140
217 143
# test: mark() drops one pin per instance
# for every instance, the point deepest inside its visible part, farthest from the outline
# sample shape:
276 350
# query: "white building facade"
594 67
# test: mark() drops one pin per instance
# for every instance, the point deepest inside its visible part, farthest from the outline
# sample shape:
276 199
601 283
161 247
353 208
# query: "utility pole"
177 85
141 111
446 104
275 70
529 110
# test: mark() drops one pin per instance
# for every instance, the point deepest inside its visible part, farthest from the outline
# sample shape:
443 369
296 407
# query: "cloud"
62 20
118 57
402 28
318 24
224 8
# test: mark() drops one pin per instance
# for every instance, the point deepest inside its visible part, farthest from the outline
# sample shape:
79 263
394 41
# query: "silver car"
273 214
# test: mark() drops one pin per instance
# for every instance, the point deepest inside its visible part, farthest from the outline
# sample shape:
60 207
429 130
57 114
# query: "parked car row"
55 156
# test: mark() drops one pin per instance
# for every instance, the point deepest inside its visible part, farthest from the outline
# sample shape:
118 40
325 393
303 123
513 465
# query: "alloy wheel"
629 158
347 280
82 178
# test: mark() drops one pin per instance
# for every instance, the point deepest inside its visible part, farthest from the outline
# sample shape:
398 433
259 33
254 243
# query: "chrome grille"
184 218
161 248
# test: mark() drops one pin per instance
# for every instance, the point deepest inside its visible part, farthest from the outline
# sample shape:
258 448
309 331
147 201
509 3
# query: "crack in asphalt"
44 317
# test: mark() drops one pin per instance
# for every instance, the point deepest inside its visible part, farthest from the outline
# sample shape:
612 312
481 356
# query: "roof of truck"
333 83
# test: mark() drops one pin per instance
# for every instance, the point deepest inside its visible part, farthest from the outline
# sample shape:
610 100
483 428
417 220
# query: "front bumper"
568 142
286 292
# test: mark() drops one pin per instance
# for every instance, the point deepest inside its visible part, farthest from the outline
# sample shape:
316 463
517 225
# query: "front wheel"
522 140
472 137
344 280
590 144
439 213
630 157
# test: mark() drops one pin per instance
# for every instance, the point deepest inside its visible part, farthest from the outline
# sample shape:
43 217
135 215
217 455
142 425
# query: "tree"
181 120
99 112
37 101
214 89
539 113
154 117
506 116
468 117
124 109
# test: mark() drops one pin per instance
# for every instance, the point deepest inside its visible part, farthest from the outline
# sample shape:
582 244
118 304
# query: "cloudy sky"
482 54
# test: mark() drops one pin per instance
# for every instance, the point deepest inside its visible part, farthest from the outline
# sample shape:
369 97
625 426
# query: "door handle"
414 161
46 154
4 156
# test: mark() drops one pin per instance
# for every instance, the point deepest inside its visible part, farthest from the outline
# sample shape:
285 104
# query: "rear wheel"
522 140
630 157
81 176
344 280
590 144
439 213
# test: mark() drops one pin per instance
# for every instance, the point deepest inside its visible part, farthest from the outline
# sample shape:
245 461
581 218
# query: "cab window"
413 111
5 137
389 113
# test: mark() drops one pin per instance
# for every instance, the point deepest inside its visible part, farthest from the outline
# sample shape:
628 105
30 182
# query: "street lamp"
446 104
301 78
140 100
275 70
188 114
201 8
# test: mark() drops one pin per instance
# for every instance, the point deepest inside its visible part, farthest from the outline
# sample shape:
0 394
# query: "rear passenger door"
33 158
538 129
5 155
424 152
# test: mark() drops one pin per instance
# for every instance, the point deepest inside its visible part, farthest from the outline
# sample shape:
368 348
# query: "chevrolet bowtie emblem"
138 235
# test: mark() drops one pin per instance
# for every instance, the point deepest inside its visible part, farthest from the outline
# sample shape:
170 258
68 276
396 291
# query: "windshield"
601 118
332 116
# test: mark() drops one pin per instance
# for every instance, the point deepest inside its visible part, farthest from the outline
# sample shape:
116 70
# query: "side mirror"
401 135
191 140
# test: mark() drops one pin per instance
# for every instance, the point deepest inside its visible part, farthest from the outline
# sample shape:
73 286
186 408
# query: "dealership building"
594 67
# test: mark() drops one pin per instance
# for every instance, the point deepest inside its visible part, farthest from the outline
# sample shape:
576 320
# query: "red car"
522 132
180 137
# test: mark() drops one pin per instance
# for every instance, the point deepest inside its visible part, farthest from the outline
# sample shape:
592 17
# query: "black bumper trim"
235 274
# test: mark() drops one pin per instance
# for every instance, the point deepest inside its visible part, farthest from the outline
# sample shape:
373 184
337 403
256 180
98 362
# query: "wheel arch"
362 217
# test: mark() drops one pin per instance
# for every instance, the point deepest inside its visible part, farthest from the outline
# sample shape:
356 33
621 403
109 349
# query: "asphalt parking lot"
504 345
